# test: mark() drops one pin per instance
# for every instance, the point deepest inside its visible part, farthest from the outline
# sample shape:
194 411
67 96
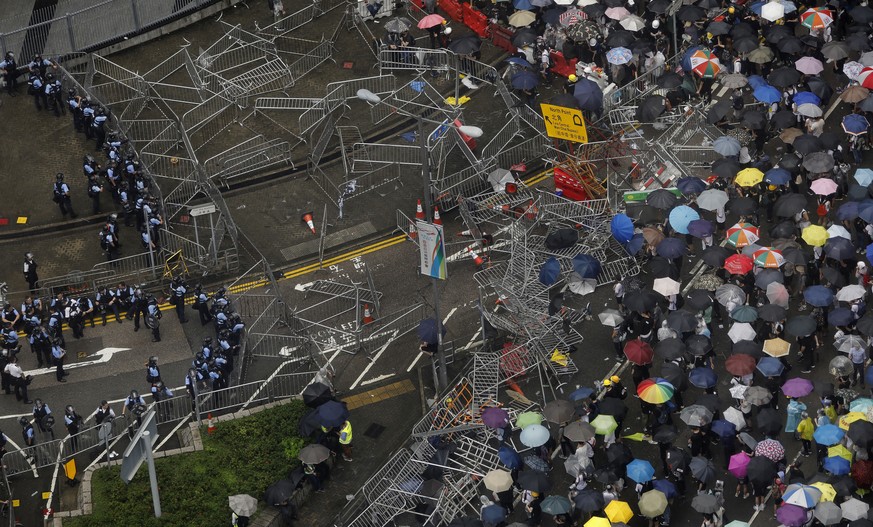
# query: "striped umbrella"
571 16
865 77
704 64
655 390
768 257
742 234
801 495
816 18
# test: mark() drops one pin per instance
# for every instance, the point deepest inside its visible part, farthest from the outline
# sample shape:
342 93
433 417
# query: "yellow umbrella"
777 347
815 235
827 490
598 521
850 418
618 511
522 19
749 177
841 451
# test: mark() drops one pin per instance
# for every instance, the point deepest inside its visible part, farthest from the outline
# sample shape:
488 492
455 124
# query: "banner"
432 247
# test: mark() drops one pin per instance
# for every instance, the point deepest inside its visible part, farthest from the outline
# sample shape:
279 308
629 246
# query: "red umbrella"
862 473
771 449
514 360
740 364
739 264
639 351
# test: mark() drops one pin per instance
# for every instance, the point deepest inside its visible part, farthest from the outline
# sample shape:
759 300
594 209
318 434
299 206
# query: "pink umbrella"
809 66
824 186
777 294
771 449
738 464
797 387
617 13
430 21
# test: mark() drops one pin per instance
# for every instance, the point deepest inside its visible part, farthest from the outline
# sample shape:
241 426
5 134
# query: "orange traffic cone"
413 234
307 219
419 211
436 216
368 317
532 211
210 425
476 258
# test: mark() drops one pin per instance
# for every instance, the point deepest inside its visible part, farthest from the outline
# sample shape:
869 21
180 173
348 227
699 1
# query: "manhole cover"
374 430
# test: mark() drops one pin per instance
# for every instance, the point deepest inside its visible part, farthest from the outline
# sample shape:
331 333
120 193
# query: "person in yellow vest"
345 439
805 429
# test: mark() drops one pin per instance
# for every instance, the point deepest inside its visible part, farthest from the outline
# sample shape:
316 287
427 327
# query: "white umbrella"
564 2
772 11
633 23
610 317
243 504
667 286
850 293
854 509
617 13
777 294
738 391
735 417
581 286
742 331
866 59
535 435
712 199
730 293
809 110
839 231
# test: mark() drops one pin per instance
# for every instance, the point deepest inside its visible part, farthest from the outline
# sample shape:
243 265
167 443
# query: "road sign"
564 123
135 454
202 210
432 249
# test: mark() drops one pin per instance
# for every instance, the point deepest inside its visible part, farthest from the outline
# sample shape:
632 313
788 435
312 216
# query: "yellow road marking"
379 394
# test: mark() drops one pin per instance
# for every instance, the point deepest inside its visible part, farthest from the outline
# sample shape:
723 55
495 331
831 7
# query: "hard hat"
571 78
592 42
607 382
771 187
731 10
656 24
709 36
448 30
615 378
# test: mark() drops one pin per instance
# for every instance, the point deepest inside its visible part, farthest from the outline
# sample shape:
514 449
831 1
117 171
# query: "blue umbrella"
848 211
864 176
855 124
868 375
509 457
671 248
427 331
681 216
665 486
837 465
703 377
701 228
841 316
525 80
493 514
586 266
519 62
806 97
870 253
770 366
723 428
777 176
767 94
622 228
865 210
640 470
331 414
550 271
828 435
581 393
589 95
691 185
635 244
818 296
757 80
522 5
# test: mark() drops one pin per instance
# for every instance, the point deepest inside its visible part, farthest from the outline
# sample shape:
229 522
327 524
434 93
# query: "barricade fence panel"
310 61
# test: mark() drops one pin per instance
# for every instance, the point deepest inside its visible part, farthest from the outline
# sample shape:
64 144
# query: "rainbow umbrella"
742 234
768 257
816 18
749 177
704 64
655 390
815 235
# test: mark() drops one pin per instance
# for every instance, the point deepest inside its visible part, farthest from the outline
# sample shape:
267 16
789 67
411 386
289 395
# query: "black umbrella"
613 3
807 144
669 349
743 29
677 458
589 95
844 485
820 87
534 480
280 492
650 109
743 206
749 347
662 199
642 45
790 162
800 326
605 475
672 248
769 421
715 255
772 312
702 469
767 277
332 413
316 394
551 15
620 38
669 80
833 276
718 111
783 229
789 204
790 45
783 119
619 455
718 28
858 42
642 300
427 330
745 44
698 345
829 140
698 299
773 34
761 470
466 45
754 120
709 401
594 10
865 324
862 14
794 256
682 321
839 248
659 6
524 36
661 267
819 162
861 433
589 500
612 406
675 375
566 100
725 167
691 13
835 50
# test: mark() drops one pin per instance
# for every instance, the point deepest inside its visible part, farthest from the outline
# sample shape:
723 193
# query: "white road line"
721 92
420 353
373 361
832 108
377 379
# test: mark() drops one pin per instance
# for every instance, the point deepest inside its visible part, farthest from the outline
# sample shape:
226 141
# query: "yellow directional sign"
564 123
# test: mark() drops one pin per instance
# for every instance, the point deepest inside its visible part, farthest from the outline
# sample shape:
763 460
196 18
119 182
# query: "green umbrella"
526 419
652 503
604 424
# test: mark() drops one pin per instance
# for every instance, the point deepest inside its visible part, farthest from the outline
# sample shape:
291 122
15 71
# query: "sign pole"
153 476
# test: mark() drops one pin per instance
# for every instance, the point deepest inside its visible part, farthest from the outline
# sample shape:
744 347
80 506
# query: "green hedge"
243 456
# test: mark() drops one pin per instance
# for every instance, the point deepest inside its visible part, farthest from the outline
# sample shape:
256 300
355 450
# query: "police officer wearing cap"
62 196
98 126
178 288
201 304
30 275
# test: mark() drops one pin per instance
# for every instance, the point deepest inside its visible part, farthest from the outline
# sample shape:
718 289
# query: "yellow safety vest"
346 434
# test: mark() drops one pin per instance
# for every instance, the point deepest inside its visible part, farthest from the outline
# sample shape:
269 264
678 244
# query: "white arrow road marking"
374 360
303 287
420 353
102 356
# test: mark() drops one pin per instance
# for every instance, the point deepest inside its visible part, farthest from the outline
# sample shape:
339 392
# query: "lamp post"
471 131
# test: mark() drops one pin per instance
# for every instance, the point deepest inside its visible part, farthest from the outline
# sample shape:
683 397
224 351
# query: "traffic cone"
476 258
210 425
436 216
368 317
307 219
532 211
413 234
419 211
468 232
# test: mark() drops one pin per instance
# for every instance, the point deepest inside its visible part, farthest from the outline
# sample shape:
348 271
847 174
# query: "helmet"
448 31
592 42
224 334
23 421
607 382
199 357
49 76
207 341
59 176
72 92
656 24
221 291
153 360
28 255
771 187
134 394
69 409
732 10
571 78
615 378
38 403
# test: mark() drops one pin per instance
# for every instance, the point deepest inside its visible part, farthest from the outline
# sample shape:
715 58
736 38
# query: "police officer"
88 114
237 326
219 380
136 405
55 325
108 301
72 420
58 354
37 89
10 73
153 372
40 345
3 442
51 94
109 243
62 196
27 433
90 166
10 315
154 318
201 304
31 311
227 348
138 307
74 103
126 203
13 376
94 190
207 349
75 318
178 288
98 126
193 376
40 65
221 320
40 412
30 275
86 305
124 296
103 412
10 339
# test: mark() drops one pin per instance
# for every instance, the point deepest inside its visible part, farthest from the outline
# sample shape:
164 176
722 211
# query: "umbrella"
655 390
761 470
855 124
427 331
610 317
579 431
698 345
709 282
677 458
758 395
744 205
702 469
767 94
738 464
850 293
619 455
280 492
768 258
622 228
243 504
789 204
682 321
671 248
669 81
534 481
809 65
696 415
742 331
768 421
777 176
800 326
828 493
535 462
690 13
864 176
555 505
854 509
494 514
650 108
525 419
741 235
828 513
839 248
524 80
807 144
619 56
797 387
681 216
671 348
762 55
819 162
823 186
861 433
597 521
815 235
818 295
698 299
816 18
589 500
509 457
828 435
705 503
703 377
495 417
767 277
523 37
498 480
314 454
771 367
559 411
331 414
639 351
804 496
642 300
604 424
726 146
617 13
429 21
840 365
519 19
586 266
772 312
862 474
398 25
730 293
316 394
740 364
640 470
612 406
845 421
653 503
791 515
